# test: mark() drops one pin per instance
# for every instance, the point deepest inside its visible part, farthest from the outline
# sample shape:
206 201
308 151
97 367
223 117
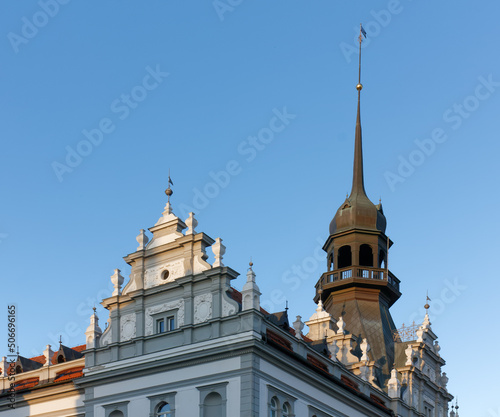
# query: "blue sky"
185 86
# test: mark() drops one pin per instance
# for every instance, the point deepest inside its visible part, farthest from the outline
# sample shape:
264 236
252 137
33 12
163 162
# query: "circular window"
165 274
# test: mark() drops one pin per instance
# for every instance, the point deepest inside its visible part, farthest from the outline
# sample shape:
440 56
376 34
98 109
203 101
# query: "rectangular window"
160 326
170 323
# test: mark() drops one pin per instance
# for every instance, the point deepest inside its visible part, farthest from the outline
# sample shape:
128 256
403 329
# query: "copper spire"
358 186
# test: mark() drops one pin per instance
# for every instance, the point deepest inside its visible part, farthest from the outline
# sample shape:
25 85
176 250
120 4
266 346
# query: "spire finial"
427 306
169 191
357 178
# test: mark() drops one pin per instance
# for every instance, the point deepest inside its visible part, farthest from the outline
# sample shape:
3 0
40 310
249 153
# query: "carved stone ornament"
155 276
127 327
202 308
227 308
174 305
106 336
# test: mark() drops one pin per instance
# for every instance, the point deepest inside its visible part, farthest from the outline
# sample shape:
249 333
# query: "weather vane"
362 33
169 191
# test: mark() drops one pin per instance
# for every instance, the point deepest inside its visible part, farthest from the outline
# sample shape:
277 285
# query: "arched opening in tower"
365 255
344 257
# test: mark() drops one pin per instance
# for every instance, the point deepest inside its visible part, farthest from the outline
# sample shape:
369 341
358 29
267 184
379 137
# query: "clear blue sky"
431 80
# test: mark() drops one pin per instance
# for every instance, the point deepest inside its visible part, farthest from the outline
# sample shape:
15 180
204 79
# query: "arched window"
19 369
60 359
164 410
344 257
287 410
116 413
273 410
365 255
212 406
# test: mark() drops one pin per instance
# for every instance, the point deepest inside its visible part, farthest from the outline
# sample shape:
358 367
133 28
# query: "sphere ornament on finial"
427 306
168 192
359 87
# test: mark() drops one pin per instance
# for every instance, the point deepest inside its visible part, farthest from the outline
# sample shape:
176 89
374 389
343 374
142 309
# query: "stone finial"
321 324
393 385
420 334
93 332
364 373
298 326
191 223
341 326
117 281
251 293
334 349
142 239
444 380
437 348
409 356
48 353
219 250
365 348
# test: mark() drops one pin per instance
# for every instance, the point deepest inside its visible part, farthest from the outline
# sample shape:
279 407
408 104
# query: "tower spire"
358 186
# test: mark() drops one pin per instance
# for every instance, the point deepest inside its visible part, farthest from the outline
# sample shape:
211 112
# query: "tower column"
355 253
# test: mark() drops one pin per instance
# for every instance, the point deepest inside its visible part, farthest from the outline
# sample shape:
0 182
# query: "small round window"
165 274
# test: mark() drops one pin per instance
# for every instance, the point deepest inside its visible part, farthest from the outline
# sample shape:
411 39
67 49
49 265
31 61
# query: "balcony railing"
360 272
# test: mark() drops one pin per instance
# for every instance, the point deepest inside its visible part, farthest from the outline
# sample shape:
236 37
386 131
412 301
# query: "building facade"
180 340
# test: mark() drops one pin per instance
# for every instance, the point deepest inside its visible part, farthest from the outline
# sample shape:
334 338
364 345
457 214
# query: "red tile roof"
26 384
79 348
68 374
276 338
39 359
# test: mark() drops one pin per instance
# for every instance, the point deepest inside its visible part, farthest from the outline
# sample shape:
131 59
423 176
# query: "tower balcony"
360 276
